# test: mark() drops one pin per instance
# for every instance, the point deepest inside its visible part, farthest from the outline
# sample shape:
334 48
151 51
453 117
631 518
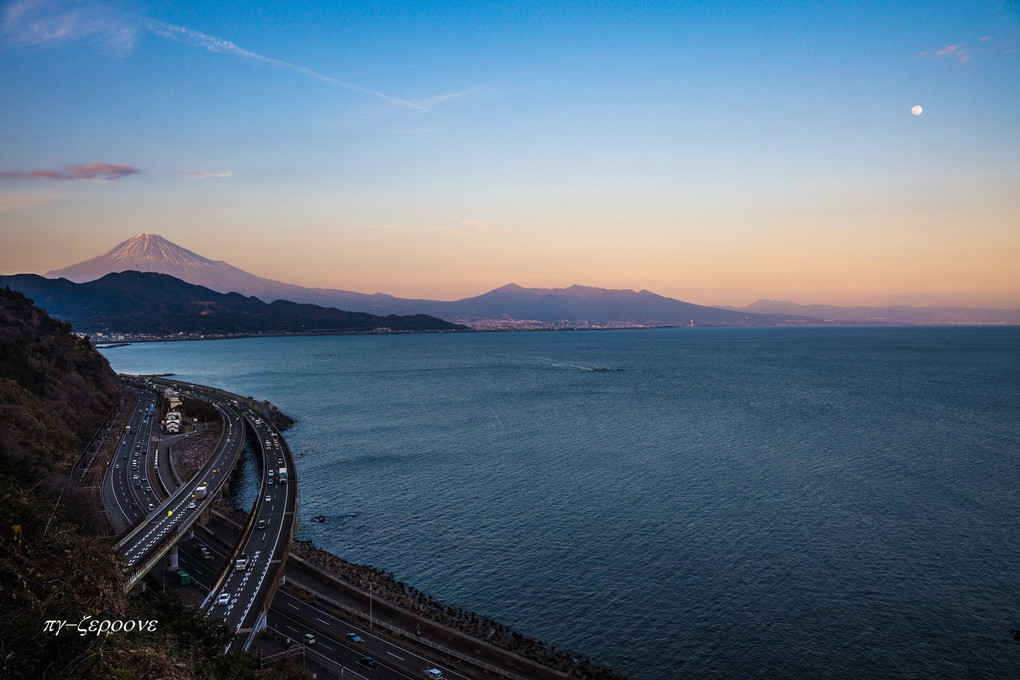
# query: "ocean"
718 503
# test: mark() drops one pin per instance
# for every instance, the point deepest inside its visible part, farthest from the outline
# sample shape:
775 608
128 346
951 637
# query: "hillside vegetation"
55 390
148 303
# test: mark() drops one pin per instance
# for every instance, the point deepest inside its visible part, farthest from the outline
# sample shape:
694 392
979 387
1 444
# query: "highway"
293 617
165 520
123 489
266 547
241 596
245 598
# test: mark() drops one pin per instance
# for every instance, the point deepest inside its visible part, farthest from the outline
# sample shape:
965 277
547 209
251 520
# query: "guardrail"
156 554
260 625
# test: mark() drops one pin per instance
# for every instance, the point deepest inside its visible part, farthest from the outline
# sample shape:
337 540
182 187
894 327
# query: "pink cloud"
96 172
101 171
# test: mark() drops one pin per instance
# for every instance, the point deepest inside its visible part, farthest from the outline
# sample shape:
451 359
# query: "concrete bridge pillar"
206 515
174 565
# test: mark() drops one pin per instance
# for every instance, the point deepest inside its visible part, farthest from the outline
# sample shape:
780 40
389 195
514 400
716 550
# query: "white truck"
201 492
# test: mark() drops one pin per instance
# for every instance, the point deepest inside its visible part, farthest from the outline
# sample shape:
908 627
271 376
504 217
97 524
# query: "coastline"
125 340
409 603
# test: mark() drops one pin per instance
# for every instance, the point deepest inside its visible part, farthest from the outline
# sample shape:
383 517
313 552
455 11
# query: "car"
150 506
269 499
138 485
117 466
269 482
224 598
135 477
134 506
309 639
261 524
354 637
148 489
367 661
144 478
191 505
433 673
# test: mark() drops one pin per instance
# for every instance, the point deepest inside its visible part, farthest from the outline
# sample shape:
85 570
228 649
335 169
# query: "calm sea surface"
771 503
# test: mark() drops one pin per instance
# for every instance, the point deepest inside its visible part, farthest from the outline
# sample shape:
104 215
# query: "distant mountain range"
892 314
158 304
574 306
511 305
153 253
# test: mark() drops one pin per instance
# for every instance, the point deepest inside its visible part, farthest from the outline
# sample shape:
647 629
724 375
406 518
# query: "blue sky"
713 152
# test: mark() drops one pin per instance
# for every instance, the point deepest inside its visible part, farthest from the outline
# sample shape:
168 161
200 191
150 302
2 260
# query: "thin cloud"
477 226
963 53
462 228
201 174
34 23
958 52
38 23
216 45
88 172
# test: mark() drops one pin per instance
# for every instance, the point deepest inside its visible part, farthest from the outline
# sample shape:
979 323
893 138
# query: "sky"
714 152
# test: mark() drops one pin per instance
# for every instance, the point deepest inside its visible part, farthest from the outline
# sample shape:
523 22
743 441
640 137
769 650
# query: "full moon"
917 110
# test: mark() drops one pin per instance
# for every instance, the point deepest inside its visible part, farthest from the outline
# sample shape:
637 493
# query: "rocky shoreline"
386 587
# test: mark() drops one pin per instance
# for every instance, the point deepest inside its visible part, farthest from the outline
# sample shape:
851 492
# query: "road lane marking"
395 656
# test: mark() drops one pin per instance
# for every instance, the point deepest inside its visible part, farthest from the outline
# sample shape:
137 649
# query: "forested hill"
55 390
149 303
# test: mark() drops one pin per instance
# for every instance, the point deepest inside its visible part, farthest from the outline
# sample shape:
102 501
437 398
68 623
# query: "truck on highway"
201 491
283 475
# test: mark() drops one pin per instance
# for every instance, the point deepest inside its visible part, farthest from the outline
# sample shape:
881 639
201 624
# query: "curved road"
165 520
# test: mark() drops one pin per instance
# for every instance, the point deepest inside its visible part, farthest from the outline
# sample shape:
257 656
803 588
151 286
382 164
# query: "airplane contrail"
222 46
